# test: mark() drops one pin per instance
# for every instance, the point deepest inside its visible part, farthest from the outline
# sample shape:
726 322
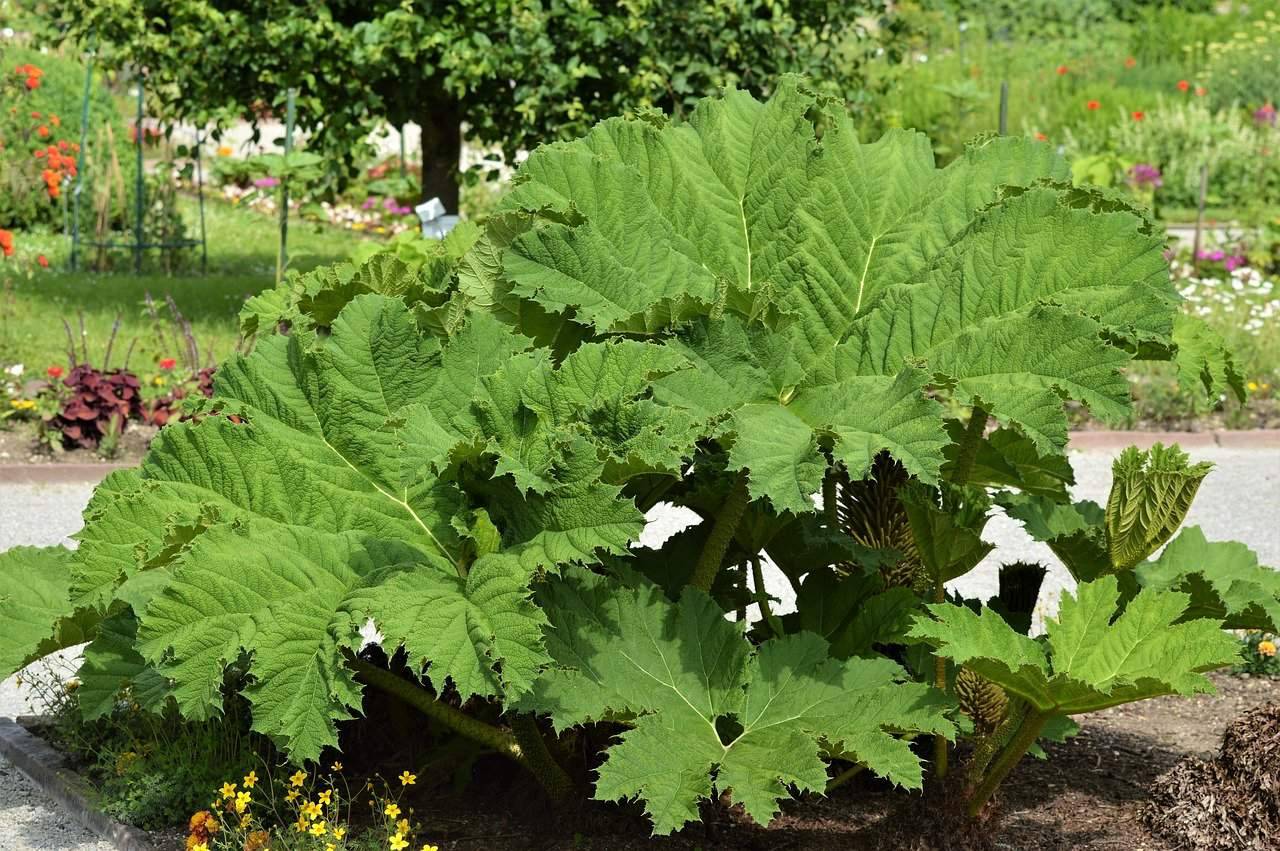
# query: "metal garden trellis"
138 245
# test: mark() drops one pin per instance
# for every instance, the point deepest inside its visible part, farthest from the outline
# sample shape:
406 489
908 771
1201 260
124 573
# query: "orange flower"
1138 115
1201 91
33 83
55 120
1130 62
43 261
1062 70
35 115
39 154
1092 105
1183 85
6 242
42 131
1040 137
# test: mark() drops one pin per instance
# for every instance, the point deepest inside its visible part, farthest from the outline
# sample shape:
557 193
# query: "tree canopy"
503 73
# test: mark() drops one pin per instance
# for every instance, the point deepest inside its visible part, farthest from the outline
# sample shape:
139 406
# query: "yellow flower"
311 809
402 826
200 846
242 801
22 404
301 824
298 778
319 829
250 779
339 832
228 790
1266 648
291 795
430 847
329 846
392 810
244 821
337 766
397 842
407 779
326 797
1253 386
224 150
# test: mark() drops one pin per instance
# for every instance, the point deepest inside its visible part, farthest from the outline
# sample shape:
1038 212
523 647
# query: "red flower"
42 132
1092 105
167 364
1062 70
35 115
39 154
43 261
6 242
33 83
1183 85
1130 62
53 371
1138 115
1040 137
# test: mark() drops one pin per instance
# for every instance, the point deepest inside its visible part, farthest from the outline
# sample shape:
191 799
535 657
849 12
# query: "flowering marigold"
55 120
1183 85
202 825
1092 105
42 131
39 153
33 83
258 840
1266 648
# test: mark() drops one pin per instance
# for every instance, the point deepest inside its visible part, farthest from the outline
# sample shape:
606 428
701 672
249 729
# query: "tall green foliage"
730 314
356 64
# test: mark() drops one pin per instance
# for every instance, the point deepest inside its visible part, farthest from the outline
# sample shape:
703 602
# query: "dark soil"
1087 796
18 445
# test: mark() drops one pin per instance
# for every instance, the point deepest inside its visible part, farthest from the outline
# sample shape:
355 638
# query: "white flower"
15 370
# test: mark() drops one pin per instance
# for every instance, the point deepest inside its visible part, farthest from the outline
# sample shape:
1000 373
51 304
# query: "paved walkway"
1240 500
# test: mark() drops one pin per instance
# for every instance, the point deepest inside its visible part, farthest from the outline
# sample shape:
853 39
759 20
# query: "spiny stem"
1022 741
845 776
969 446
425 702
762 597
726 523
538 758
993 742
829 498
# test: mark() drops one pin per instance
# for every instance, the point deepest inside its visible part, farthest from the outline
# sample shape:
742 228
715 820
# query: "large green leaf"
1151 493
681 670
1223 578
1091 657
34 596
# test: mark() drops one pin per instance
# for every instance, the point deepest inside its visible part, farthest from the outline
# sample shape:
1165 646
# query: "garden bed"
1086 796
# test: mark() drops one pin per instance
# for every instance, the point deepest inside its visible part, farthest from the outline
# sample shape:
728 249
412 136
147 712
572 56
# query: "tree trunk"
441 123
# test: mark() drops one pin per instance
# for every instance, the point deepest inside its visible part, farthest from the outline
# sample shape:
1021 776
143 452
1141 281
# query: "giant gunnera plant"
840 357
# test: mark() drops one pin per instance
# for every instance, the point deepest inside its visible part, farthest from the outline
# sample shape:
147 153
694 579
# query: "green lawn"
242 257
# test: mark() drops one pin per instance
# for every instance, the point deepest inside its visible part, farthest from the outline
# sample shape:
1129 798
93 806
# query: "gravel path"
1240 500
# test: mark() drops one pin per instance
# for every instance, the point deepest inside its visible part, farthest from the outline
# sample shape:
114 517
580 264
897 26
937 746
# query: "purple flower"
1235 261
1265 114
266 182
368 204
1146 176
